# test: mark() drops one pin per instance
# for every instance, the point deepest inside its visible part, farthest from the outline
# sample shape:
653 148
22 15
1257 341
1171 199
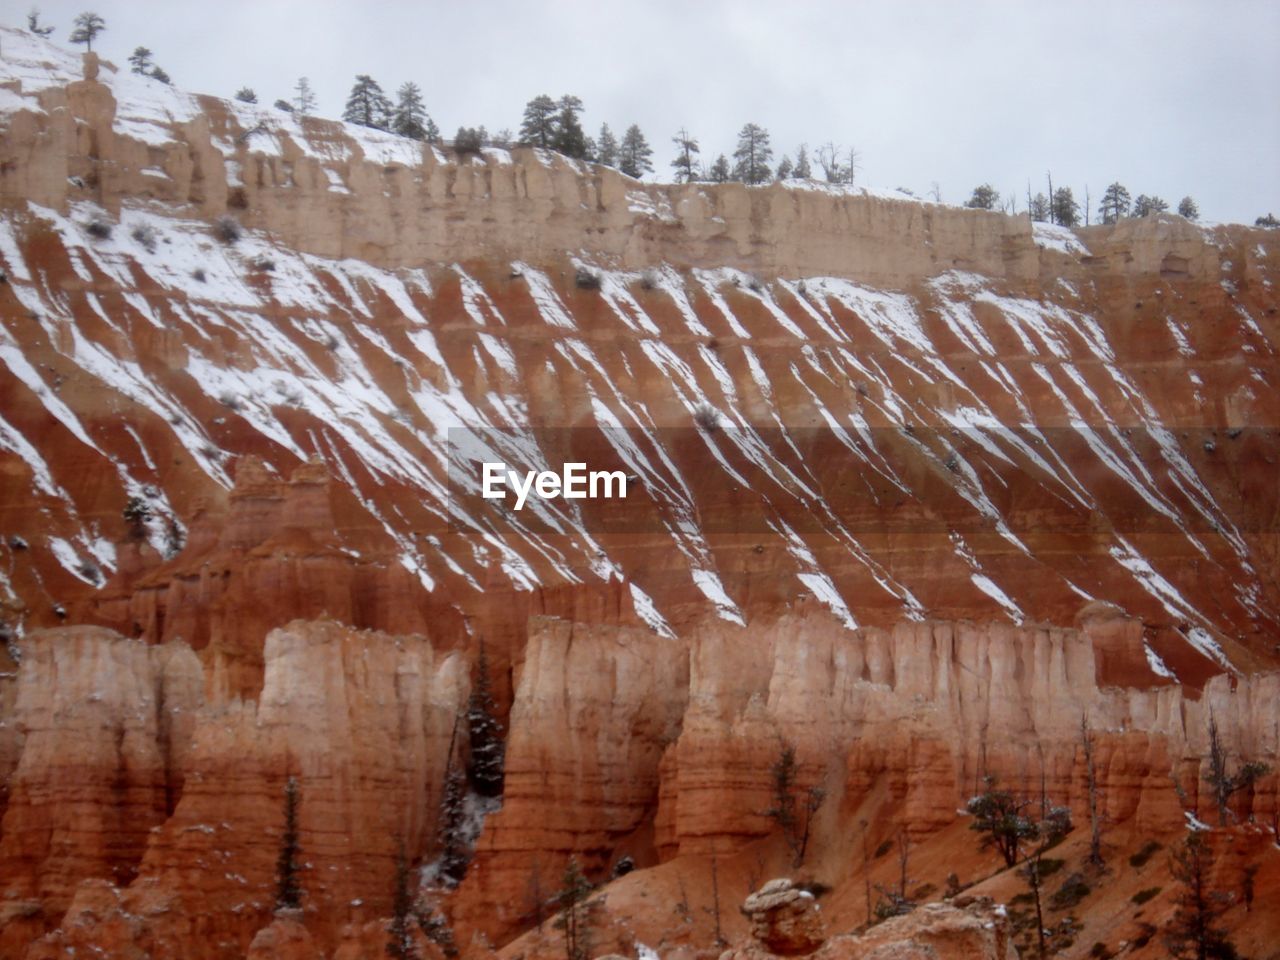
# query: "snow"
1060 239
549 305
647 611
1193 824
713 590
1157 665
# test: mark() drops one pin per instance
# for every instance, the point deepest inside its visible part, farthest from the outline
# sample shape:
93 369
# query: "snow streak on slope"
401 380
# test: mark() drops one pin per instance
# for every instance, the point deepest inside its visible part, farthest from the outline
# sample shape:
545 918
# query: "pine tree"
140 61
87 27
410 116
634 153
538 129
1065 209
304 99
484 732
33 24
1193 932
753 154
985 197
684 163
569 138
246 95
720 172
785 170
1038 206
1145 206
400 943
432 133
1115 204
1187 208
1267 221
288 887
436 927
367 105
803 170
576 888
607 147
1002 821
454 855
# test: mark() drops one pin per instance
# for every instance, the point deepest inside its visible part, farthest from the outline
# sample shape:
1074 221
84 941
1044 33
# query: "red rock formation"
105 726
918 489
363 720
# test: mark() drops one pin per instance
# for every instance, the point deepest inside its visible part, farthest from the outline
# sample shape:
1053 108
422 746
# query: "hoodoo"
929 512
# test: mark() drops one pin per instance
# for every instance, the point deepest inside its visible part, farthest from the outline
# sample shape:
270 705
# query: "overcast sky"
1169 97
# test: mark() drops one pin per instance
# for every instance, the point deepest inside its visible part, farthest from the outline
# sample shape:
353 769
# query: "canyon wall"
916 490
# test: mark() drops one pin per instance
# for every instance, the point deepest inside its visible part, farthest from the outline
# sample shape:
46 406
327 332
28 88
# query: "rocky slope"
915 490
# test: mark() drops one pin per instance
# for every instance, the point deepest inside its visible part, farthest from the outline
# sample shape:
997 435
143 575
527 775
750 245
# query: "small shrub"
883 849
1142 896
755 285
227 229
263 262
230 401
467 141
98 228
708 418
236 199
924 891
17 543
1101 951
1073 890
1144 936
284 105
145 236
649 280
587 279
1049 866
198 274
623 867
1140 858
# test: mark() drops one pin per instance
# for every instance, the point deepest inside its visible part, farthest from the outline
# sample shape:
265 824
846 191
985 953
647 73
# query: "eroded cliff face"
916 490
125 777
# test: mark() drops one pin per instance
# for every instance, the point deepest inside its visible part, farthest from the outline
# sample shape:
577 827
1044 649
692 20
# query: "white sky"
1168 97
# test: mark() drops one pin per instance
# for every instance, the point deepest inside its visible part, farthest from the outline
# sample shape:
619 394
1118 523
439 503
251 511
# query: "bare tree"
1221 780
1091 782
904 854
715 900
1193 932
866 868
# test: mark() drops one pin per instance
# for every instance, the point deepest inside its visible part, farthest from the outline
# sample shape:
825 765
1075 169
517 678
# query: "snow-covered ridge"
378 373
